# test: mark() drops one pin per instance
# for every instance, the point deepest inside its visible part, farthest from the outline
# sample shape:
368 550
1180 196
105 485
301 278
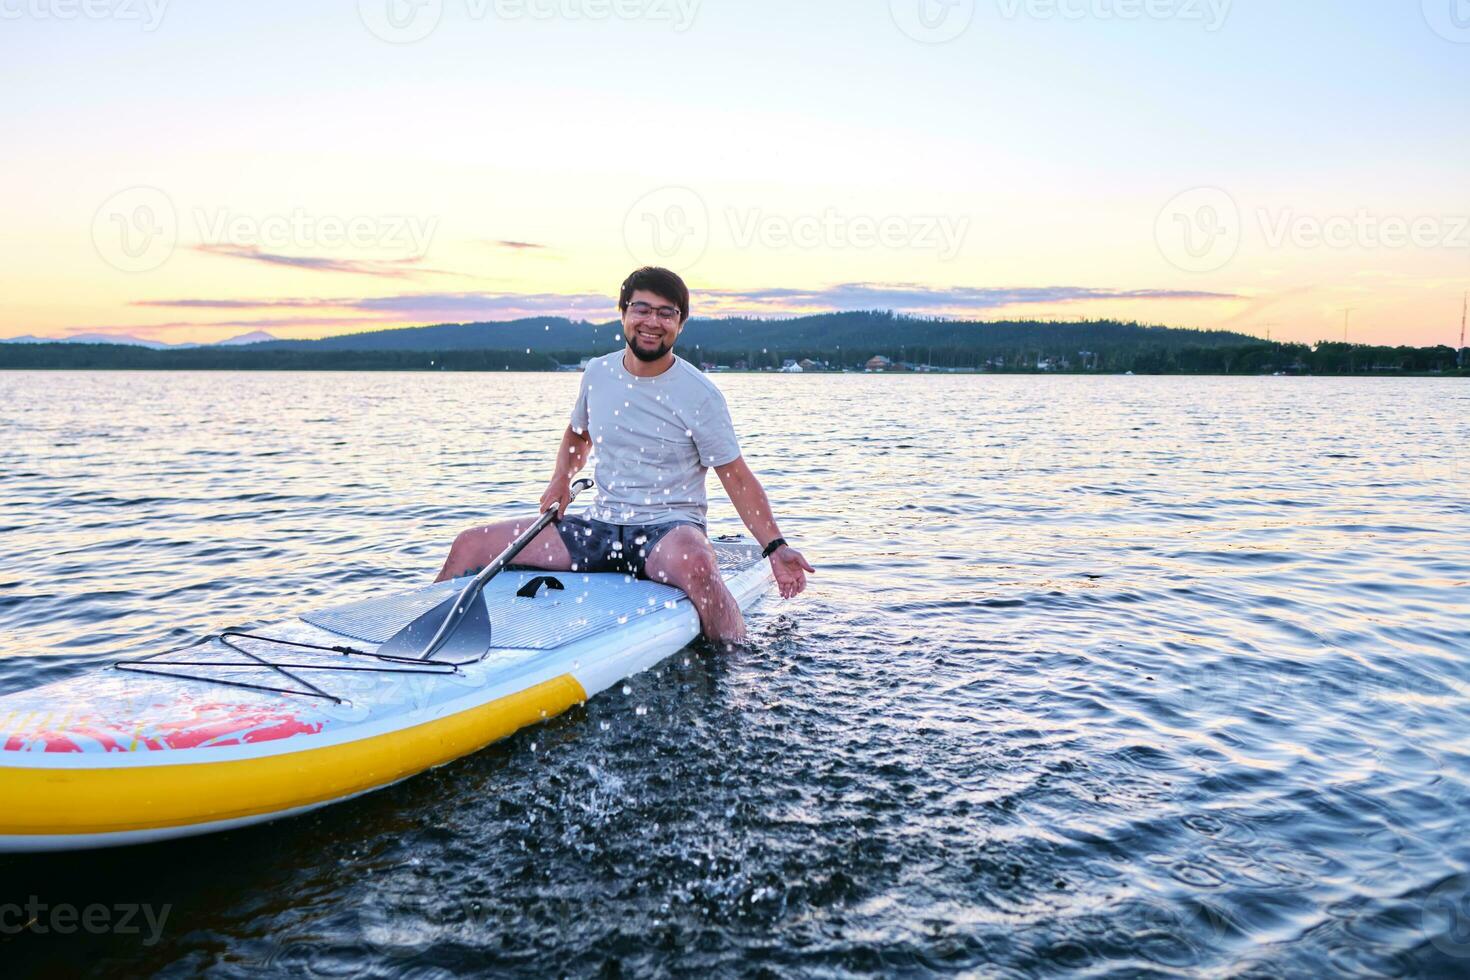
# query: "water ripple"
1136 677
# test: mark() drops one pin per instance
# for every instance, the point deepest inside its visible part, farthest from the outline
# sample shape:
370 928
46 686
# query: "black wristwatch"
770 549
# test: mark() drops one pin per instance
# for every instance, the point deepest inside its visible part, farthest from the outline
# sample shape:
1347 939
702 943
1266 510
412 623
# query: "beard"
649 355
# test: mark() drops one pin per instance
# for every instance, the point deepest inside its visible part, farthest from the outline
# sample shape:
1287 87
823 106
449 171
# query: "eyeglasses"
642 311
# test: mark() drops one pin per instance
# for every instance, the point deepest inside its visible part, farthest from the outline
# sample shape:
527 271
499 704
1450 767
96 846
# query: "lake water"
1119 675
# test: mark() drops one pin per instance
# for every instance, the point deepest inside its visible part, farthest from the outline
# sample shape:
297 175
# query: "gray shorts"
599 547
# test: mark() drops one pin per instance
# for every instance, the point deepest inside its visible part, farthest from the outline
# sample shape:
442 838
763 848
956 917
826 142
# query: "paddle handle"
471 591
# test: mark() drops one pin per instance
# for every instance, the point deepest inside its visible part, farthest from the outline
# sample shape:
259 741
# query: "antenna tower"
1460 352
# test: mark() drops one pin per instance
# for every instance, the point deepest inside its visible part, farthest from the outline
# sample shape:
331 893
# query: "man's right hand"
558 494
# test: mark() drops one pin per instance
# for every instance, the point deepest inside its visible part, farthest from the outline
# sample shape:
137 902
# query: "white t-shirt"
653 440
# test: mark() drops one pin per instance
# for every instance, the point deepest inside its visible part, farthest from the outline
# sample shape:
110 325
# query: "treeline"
1323 359
1255 357
853 335
121 357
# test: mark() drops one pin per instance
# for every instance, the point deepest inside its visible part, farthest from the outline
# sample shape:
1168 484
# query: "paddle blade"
468 637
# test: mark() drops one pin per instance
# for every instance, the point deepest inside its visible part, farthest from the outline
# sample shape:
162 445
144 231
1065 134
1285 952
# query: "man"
658 425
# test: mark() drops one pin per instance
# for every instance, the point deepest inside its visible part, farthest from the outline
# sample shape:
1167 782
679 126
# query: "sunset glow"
197 172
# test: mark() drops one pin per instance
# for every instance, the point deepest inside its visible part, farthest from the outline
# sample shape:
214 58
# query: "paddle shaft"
471 592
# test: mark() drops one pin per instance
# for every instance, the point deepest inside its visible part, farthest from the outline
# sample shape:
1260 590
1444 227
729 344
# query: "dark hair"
661 282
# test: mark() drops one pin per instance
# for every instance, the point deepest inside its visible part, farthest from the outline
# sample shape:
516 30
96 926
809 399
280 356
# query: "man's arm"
570 459
749 497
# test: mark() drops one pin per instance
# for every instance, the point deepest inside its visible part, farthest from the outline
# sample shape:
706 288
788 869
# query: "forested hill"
860 334
833 341
537 333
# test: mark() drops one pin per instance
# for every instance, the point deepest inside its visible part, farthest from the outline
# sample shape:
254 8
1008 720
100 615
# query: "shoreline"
41 369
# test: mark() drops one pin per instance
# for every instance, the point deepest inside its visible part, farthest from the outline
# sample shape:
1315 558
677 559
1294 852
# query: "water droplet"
627 689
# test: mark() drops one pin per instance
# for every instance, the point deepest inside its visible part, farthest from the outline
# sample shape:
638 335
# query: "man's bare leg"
479 546
684 559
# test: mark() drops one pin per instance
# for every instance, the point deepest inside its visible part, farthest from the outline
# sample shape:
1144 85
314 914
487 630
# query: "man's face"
649 326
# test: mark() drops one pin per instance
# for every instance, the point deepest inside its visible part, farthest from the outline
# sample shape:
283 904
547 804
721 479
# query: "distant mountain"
537 333
841 340
253 337
96 338
118 338
862 333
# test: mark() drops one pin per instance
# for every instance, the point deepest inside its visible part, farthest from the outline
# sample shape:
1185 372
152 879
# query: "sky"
190 171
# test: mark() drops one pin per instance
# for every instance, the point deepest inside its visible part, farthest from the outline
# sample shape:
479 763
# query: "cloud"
519 246
159 330
417 309
480 304
421 305
910 298
237 304
381 268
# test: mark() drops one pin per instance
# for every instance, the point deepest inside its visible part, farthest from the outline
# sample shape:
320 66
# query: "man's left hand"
789 569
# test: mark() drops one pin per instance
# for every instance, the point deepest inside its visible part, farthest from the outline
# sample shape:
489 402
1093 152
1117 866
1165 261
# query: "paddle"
460 625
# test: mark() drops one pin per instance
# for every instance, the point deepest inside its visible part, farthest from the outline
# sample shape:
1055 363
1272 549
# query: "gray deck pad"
589 604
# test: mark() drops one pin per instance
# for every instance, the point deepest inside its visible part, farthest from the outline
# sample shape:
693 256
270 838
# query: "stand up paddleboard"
249 727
